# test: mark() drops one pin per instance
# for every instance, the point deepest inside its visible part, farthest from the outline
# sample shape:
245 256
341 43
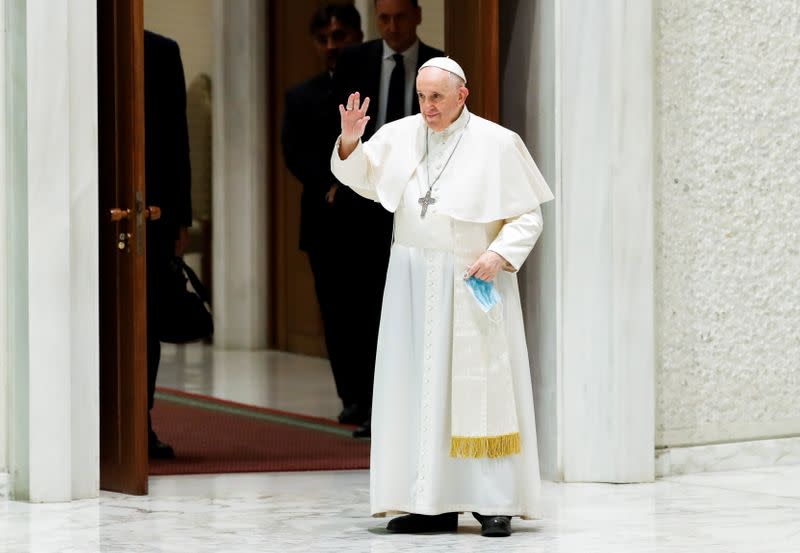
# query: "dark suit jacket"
310 127
358 69
168 177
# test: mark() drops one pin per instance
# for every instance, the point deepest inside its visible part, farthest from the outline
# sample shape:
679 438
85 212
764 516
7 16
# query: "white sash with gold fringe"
484 413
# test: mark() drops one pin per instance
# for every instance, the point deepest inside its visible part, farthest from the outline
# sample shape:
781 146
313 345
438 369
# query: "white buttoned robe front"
411 470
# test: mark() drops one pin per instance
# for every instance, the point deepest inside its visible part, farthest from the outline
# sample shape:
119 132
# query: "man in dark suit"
384 70
310 127
168 186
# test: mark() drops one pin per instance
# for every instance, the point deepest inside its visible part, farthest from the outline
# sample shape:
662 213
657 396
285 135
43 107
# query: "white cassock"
411 468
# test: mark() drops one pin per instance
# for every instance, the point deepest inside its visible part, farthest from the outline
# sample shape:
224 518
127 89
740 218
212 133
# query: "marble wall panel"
726 457
528 107
728 221
240 175
607 345
3 251
49 283
83 264
52 231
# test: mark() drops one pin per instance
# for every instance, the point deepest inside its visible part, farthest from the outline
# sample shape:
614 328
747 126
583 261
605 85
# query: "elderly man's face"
397 23
440 97
330 39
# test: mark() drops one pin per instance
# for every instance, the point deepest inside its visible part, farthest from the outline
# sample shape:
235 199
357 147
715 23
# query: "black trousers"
160 249
349 279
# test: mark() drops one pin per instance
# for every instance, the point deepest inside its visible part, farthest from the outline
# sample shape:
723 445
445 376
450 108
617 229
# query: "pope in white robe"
452 416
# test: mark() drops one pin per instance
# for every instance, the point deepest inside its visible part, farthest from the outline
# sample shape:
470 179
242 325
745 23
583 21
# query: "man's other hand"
182 242
330 196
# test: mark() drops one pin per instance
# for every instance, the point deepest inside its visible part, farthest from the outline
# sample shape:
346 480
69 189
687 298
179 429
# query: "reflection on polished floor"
752 511
274 379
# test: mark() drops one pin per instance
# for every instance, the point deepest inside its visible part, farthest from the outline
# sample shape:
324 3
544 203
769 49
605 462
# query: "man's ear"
463 92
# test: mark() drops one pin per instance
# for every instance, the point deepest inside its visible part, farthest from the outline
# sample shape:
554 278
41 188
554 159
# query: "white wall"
431 31
728 221
191 24
51 200
577 85
528 106
3 253
240 170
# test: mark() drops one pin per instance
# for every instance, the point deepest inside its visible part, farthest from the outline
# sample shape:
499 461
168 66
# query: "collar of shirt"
412 54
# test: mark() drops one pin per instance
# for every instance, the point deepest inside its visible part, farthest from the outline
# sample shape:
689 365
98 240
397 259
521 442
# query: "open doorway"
293 375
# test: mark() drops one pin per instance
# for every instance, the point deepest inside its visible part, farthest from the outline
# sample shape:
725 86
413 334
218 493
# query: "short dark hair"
347 14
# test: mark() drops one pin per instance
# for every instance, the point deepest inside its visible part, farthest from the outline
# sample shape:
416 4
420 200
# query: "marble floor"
752 511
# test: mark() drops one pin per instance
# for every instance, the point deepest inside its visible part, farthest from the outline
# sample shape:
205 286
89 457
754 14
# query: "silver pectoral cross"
426 201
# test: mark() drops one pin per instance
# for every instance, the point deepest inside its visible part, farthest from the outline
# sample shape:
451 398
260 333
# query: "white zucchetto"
448 64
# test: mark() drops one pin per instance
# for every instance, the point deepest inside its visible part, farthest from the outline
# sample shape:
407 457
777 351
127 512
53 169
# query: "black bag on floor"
184 316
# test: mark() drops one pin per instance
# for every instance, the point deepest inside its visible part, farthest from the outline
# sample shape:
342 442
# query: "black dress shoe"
418 524
156 449
352 414
493 526
363 431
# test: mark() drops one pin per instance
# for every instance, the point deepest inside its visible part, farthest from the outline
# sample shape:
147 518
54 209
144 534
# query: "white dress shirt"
410 59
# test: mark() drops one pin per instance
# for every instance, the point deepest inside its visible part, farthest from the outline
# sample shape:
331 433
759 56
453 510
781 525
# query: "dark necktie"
396 102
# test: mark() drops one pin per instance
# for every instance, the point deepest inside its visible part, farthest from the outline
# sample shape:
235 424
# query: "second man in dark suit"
168 182
310 127
384 70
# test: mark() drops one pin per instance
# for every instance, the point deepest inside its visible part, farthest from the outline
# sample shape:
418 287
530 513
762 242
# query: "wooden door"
295 322
472 37
123 344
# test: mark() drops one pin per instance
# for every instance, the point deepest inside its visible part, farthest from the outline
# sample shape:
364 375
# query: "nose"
392 25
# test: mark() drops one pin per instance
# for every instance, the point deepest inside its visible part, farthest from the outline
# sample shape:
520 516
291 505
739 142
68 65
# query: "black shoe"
156 449
363 431
418 524
493 526
352 414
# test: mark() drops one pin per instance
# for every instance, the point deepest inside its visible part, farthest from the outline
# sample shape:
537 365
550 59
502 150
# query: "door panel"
123 344
472 37
294 318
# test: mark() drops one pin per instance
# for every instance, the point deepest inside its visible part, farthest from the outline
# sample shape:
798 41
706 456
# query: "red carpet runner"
214 436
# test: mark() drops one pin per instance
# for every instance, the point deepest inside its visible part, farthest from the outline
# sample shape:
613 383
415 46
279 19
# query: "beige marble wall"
728 221
191 24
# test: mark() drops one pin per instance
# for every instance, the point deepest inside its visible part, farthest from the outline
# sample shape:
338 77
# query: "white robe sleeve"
517 238
355 171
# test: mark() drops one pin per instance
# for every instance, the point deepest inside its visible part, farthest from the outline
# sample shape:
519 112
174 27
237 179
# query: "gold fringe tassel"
485 446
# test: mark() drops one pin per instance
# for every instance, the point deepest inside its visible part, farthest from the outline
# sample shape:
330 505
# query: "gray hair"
457 81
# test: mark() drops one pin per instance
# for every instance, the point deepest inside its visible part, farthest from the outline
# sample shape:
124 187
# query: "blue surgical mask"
484 293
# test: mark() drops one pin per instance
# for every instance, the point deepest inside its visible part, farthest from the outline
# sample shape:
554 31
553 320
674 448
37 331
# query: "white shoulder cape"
491 176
